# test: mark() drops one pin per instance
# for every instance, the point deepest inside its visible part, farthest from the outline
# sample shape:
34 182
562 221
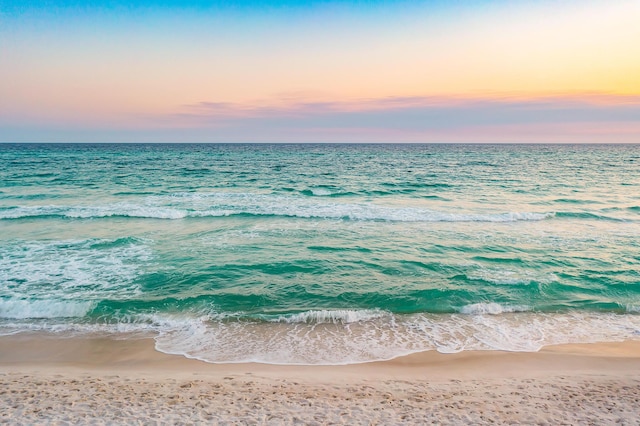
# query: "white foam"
388 336
321 192
235 338
85 212
23 309
633 308
179 206
143 324
490 308
344 316
61 326
267 204
80 270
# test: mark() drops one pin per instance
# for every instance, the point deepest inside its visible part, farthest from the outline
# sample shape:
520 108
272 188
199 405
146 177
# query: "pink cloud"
561 118
588 117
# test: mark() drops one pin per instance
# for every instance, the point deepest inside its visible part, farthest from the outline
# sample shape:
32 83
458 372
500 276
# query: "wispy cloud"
579 118
572 117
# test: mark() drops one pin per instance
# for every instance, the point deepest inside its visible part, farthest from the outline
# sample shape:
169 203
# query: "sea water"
321 254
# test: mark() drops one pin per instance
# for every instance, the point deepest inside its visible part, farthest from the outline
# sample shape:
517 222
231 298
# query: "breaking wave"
180 206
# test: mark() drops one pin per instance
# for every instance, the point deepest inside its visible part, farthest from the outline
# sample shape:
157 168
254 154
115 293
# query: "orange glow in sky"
114 70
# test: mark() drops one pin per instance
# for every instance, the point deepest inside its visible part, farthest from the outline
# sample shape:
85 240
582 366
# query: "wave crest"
180 206
343 316
40 309
491 309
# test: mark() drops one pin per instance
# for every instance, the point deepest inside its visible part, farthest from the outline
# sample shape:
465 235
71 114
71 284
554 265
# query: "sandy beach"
104 381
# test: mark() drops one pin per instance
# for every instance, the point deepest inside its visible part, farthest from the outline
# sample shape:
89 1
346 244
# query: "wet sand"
47 379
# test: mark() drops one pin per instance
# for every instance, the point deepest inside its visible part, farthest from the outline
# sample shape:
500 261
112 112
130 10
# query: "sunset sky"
319 71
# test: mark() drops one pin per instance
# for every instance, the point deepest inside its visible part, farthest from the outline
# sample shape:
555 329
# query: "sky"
320 71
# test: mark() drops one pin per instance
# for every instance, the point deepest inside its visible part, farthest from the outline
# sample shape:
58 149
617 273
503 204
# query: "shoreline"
46 379
31 350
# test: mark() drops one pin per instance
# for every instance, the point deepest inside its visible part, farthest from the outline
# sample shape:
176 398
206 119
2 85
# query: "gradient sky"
320 71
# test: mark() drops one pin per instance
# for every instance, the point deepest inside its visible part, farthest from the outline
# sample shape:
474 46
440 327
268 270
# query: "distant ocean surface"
321 254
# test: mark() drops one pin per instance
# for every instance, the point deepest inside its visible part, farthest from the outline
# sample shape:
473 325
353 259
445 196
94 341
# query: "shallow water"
322 254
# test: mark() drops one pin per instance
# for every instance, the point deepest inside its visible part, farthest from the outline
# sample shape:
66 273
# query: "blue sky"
352 71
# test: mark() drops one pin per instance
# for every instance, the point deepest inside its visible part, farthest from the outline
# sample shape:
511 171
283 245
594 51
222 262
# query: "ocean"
321 254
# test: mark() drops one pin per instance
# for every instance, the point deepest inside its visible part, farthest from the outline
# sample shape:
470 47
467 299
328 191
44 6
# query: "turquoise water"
322 254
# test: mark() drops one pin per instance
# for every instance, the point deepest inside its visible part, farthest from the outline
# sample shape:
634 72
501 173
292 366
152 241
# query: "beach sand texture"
104 381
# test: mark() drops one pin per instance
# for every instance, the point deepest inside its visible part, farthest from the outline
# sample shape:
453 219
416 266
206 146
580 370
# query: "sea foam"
81 270
328 342
343 316
182 205
35 309
491 308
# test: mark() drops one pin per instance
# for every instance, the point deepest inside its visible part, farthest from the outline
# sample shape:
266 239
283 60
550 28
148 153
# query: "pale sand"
101 381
